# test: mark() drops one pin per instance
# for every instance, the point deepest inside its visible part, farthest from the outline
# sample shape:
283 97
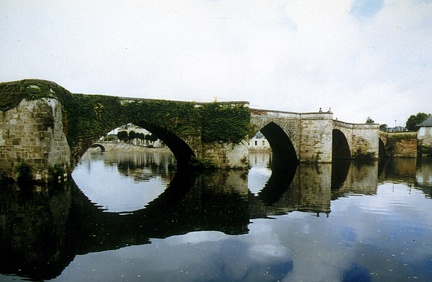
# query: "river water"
133 217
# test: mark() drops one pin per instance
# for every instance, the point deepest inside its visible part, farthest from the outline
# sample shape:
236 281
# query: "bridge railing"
292 115
350 125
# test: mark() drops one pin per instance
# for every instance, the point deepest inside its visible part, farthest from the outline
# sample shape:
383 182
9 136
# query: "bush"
24 172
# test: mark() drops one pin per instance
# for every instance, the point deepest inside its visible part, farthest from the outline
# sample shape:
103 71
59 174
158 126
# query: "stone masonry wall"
365 141
227 155
400 144
316 138
424 136
32 133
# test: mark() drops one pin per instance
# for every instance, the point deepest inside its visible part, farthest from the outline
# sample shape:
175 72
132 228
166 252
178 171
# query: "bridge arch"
340 146
381 149
97 145
282 148
180 148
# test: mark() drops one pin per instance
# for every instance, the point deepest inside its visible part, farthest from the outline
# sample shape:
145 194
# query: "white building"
259 142
424 135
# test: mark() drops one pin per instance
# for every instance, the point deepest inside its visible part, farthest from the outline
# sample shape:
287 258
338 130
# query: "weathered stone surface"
32 133
401 145
424 136
363 139
311 134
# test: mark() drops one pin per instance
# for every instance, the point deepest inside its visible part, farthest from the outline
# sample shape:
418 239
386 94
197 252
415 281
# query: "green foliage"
214 122
91 116
383 127
109 138
370 121
364 156
393 138
202 164
56 171
225 123
87 117
132 135
179 118
151 137
23 172
12 93
122 135
413 120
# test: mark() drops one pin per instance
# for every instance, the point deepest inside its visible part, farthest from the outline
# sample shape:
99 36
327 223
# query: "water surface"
131 217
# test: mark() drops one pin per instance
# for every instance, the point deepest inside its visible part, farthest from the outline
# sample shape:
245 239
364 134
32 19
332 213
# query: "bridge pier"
32 141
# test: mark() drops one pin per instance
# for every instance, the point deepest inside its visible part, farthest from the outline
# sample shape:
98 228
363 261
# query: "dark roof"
426 123
259 135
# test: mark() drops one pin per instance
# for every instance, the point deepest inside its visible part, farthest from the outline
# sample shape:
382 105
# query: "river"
134 217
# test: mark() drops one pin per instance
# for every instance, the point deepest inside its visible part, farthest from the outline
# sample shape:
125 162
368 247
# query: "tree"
383 127
370 121
132 135
151 137
413 120
122 135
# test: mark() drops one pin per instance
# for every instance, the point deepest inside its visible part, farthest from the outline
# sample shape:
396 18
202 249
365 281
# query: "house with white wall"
424 136
259 142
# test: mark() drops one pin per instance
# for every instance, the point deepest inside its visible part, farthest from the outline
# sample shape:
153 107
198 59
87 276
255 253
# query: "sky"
362 58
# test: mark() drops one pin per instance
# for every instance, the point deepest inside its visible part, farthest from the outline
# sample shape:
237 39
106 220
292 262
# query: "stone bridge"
45 130
315 137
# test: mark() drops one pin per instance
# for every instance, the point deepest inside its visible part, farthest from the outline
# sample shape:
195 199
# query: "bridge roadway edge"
36 130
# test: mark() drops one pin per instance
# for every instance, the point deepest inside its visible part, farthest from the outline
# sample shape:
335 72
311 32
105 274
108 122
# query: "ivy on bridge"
88 117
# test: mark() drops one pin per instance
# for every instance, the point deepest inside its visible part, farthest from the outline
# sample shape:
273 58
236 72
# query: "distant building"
259 142
397 129
424 136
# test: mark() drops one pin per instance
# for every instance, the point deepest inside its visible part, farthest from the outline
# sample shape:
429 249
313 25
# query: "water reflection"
43 231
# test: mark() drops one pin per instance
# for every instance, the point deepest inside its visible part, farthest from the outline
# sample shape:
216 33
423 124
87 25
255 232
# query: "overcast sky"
361 58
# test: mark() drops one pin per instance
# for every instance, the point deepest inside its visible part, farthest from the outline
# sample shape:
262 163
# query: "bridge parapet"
362 138
348 125
310 133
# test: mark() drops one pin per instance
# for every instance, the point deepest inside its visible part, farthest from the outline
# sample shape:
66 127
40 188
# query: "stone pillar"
365 141
316 137
32 134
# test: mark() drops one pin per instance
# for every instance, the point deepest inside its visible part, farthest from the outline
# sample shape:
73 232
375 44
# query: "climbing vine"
225 123
86 116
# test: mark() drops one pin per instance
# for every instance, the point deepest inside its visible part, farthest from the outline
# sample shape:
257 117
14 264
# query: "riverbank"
127 147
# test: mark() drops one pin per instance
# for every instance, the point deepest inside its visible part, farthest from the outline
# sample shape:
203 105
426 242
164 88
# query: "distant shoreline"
126 147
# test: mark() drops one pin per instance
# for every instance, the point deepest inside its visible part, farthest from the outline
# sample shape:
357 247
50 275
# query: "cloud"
285 55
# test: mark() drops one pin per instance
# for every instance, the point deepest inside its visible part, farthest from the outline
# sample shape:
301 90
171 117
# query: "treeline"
126 136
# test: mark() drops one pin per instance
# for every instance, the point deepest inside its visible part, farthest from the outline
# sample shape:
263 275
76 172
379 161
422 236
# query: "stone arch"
340 147
97 145
283 149
381 149
181 150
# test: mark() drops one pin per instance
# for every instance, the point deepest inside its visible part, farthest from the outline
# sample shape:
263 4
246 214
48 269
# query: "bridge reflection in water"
42 232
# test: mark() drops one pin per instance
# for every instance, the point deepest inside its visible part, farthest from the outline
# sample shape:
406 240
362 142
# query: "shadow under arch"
381 149
181 150
339 173
340 147
283 150
174 212
277 184
283 165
